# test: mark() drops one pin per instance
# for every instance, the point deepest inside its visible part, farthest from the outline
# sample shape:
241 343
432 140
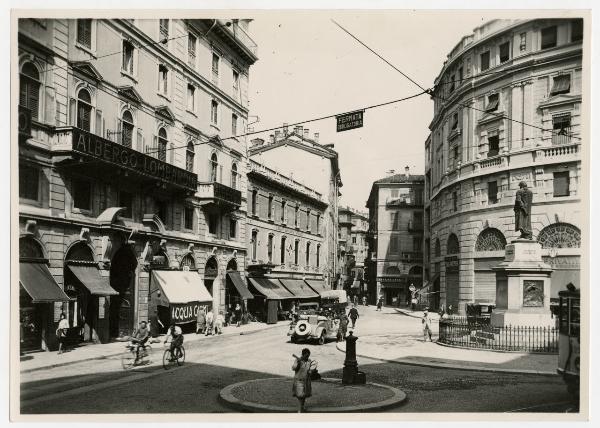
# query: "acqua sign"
186 312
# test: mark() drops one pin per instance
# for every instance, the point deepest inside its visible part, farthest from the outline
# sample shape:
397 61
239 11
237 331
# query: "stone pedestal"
350 373
523 287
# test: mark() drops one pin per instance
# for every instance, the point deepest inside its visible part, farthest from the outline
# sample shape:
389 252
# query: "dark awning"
319 286
270 289
90 277
239 285
299 288
39 283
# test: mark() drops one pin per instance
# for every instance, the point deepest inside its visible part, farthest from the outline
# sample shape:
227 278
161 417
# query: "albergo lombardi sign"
350 120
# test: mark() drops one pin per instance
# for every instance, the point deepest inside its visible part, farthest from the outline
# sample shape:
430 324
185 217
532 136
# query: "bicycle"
170 361
131 358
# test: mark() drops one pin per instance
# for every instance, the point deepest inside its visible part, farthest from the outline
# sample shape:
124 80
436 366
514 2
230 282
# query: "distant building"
129 178
352 249
476 156
298 156
395 237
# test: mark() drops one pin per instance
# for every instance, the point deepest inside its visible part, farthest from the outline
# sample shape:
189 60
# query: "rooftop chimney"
272 138
305 133
316 137
298 130
406 169
277 134
390 172
256 142
285 129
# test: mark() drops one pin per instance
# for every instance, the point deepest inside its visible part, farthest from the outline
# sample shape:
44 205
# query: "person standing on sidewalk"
238 315
209 322
353 315
343 327
61 332
200 322
379 304
303 367
426 321
219 322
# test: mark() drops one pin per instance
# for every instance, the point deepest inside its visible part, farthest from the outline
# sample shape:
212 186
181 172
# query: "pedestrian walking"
353 315
219 322
61 332
379 304
364 300
303 367
342 328
201 321
426 321
413 303
209 322
238 314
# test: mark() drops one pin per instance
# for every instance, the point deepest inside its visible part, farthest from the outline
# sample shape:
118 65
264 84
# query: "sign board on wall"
186 312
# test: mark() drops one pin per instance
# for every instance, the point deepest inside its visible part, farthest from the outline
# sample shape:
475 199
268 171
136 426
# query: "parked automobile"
313 327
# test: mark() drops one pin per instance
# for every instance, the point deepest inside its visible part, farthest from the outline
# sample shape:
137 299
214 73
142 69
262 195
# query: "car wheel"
322 339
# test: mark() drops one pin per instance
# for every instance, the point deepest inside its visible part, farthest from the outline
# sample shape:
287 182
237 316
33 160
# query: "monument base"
521 319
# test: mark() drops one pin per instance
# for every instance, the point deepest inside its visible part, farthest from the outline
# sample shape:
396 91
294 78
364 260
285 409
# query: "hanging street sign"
350 120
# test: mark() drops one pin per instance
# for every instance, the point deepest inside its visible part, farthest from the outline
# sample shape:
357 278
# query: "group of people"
208 324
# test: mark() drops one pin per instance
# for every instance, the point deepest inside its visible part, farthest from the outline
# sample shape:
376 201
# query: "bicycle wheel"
181 356
128 359
167 359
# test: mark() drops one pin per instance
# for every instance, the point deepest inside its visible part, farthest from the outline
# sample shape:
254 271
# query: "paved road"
101 386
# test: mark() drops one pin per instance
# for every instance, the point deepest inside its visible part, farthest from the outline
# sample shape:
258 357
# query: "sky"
309 68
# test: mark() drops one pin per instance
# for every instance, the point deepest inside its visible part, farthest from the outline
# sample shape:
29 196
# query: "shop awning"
239 285
299 288
179 286
39 283
90 277
319 286
271 289
341 295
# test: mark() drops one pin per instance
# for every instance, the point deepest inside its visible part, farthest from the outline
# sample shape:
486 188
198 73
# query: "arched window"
560 235
30 249
127 129
29 89
234 176
438 248
452 246
189 157
490 239
416 270
84 110
214 164
162 144
188 263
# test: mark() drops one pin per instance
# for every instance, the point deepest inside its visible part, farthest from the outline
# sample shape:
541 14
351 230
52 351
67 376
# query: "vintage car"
313 327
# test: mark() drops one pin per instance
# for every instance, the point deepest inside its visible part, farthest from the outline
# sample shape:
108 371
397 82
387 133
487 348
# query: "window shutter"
34 99
72 112
152 150
119 133
98 124
140 140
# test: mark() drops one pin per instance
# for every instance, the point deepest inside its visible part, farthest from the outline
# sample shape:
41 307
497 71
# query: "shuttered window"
84 110
485 60
127 63
127 129
549 37
504 52
561 183
29 89
29 178
84 32
492 104
162 144
561 84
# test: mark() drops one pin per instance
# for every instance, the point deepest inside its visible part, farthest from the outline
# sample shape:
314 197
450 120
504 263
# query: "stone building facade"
129 164
352 249
395 238
507 109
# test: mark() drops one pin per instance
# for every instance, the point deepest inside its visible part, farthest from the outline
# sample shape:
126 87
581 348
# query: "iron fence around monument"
462 332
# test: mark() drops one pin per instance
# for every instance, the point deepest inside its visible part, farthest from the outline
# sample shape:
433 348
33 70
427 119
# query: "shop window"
493 145
162 144
561 183
214 112
485 60
127 63
504 52
232 228
492 192
213 223
492 102
296 251
127 129
577 30
234 176
282 250
29 89
234 120
188 218
270 248
189 157
191 97
561 84
164 29
84 110
82 194
84 32
126 201
29 182
192 50
549 37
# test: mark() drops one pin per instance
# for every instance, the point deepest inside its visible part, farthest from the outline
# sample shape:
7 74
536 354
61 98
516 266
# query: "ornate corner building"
507 108
130 172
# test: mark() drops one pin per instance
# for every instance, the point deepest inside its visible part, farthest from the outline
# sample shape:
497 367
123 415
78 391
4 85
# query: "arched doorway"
232 296
122 279
211 270
188 263
33 317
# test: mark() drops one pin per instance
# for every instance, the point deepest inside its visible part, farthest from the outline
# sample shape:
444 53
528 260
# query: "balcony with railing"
218 194
563 136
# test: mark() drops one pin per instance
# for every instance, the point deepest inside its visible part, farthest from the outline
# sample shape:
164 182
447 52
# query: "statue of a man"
523 200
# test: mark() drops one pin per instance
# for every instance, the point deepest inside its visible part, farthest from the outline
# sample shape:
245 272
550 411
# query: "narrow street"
102 386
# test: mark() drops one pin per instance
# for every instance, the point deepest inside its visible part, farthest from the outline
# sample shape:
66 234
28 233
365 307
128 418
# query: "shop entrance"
210 274
122 279
232 297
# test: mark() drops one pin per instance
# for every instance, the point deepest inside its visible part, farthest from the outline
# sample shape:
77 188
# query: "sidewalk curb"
107 356
454 366
226 395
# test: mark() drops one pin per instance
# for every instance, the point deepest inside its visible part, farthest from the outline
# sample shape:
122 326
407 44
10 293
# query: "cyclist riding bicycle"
176 336
139 338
